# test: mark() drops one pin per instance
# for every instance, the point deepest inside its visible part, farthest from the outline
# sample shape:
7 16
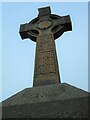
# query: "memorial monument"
48 98
44 30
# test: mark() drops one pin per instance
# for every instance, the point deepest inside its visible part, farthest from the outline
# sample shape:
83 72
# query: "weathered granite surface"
50 101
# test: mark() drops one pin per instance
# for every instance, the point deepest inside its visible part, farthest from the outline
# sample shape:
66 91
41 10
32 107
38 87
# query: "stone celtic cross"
44 29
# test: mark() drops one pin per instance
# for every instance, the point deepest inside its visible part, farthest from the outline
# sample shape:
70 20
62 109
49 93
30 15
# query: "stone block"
50 101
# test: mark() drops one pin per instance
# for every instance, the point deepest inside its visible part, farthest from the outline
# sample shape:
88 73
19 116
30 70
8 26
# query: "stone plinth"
50 101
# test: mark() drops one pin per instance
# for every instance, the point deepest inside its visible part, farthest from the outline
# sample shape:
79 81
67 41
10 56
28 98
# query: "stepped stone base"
50 101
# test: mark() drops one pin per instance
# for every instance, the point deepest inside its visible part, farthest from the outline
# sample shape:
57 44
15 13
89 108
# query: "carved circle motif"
44 24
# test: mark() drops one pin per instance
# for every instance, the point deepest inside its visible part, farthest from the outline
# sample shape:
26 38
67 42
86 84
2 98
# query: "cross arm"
64 21
28 30
23 31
